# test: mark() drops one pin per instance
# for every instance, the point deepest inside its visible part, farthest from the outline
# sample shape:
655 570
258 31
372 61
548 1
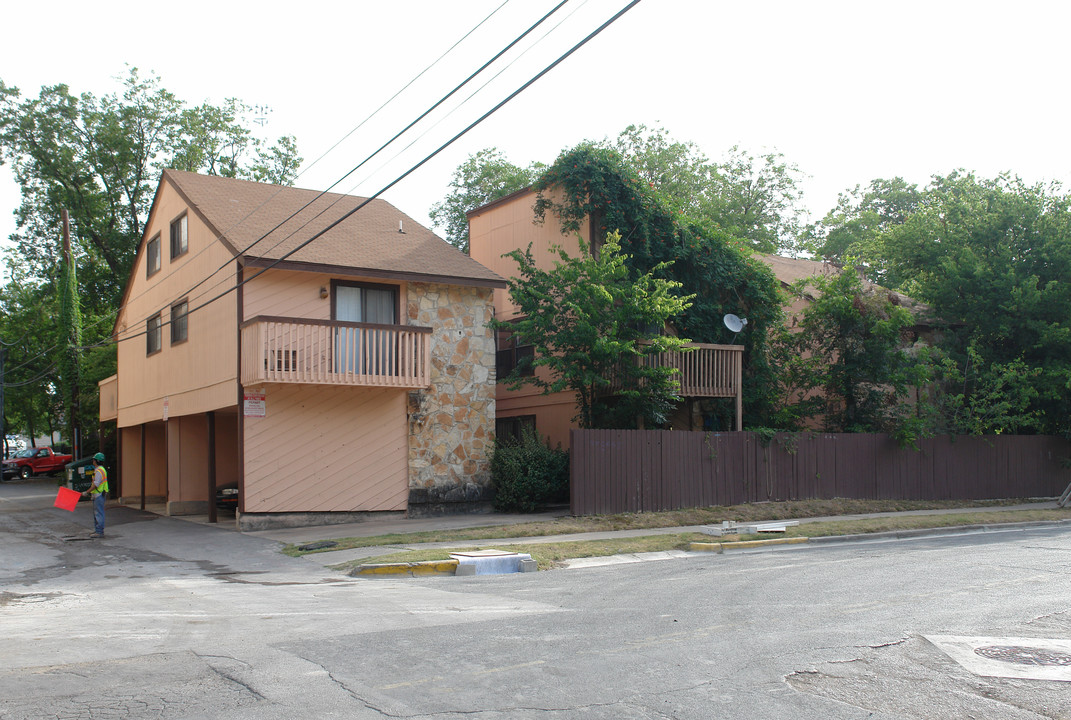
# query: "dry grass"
549 554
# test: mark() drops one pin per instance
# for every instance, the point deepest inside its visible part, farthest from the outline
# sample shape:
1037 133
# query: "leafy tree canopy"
717 268
861 216
993 258
753 197
845 362
100 158
482 178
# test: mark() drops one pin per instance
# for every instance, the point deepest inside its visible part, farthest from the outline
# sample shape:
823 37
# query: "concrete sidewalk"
372 528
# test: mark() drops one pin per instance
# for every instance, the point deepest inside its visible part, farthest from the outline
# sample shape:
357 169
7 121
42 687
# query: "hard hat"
99 457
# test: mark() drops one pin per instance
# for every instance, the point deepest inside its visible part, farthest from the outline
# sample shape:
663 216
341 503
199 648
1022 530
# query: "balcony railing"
317 352
705 370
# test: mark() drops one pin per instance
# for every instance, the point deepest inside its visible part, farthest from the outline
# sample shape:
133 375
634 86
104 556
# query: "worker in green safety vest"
98 490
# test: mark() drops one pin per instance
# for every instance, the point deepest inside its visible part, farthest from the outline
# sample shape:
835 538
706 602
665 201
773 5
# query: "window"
179 238
365 350
179 322
152 257
510 429
510 355
152 335
365 302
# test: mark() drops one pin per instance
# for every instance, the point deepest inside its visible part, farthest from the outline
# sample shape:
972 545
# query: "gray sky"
849 91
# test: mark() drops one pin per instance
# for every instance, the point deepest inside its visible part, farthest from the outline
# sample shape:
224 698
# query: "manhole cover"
1024 655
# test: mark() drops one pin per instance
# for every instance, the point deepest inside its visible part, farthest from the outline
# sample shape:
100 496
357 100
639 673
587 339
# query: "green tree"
753 197
593 181
844 363
677 172
993 258
485 176
31 376
758 197
977 398
100 159
853 228
593 325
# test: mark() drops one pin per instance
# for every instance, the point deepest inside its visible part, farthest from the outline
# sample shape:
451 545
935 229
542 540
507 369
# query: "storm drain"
1024 655
1022 658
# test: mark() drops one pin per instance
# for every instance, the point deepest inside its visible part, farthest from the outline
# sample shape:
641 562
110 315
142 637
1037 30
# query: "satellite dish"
734 323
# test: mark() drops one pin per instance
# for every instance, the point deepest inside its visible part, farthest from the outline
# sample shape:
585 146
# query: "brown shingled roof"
241 212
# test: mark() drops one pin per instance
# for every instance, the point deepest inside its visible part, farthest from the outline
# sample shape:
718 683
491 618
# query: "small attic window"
180 242
152 256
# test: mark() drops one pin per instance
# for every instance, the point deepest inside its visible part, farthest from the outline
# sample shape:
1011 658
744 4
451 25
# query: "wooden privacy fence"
615 471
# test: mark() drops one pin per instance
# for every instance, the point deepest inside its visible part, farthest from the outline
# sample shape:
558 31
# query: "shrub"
528 473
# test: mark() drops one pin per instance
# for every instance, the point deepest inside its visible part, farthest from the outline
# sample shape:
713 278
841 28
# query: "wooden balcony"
706 370
109 398
319 352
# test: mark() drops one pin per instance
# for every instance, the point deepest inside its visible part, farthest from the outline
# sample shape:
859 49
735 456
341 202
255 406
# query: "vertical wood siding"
614 471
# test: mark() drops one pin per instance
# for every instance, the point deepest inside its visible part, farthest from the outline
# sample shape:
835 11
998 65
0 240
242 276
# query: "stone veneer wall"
452 423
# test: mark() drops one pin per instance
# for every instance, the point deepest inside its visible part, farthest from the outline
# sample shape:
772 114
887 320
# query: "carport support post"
211 415
143 466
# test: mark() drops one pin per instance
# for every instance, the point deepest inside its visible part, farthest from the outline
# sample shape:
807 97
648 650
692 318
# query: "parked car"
227 496
34 461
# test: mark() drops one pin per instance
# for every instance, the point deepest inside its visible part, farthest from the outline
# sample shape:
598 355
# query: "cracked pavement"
169 619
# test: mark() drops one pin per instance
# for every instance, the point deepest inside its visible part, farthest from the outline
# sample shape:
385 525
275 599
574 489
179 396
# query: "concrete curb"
413 569
931 532
744 544
450 567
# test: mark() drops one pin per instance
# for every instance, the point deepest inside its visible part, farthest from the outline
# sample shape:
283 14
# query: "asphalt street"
171 619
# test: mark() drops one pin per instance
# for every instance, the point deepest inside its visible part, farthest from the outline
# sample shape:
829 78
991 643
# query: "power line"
412 169
408 127
375 112
420 164
113 338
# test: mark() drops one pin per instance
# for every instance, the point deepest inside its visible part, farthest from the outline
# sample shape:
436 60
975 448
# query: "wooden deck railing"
706 370
318 352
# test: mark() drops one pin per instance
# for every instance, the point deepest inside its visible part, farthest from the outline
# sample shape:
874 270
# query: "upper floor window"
365 302
179 236
152 256
152 335
512 356
362 350
180 321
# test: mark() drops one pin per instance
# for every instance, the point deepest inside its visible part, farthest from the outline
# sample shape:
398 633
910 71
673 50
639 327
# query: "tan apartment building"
330 366
707 371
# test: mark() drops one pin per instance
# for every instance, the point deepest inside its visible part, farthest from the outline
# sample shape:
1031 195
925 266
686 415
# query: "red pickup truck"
35 461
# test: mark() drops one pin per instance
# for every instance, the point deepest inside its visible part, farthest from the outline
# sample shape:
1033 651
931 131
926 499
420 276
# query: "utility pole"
71 315
3 429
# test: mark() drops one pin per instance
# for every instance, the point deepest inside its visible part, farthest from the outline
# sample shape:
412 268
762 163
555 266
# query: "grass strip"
753 512
550 554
